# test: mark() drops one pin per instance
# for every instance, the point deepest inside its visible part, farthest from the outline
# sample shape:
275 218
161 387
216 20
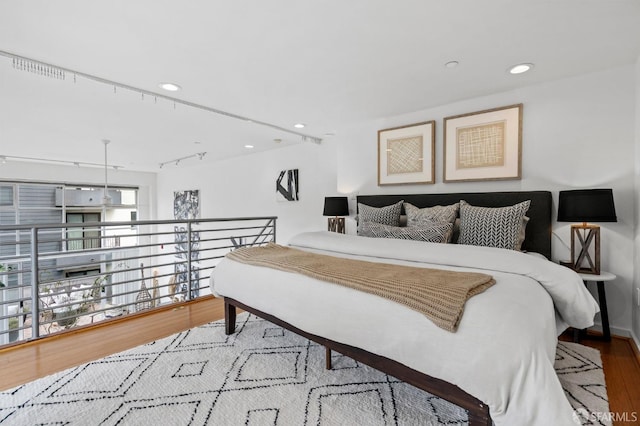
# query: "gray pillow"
434 232
416 215
389 215
492 227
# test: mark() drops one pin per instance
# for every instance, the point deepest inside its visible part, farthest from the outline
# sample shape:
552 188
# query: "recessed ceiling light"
328 135
520 68
299 126
248 146
451 64
171 87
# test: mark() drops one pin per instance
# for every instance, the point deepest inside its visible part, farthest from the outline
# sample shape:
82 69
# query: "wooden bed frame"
538 239
477 410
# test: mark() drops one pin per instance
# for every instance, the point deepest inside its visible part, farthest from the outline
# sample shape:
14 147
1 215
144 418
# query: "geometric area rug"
261 375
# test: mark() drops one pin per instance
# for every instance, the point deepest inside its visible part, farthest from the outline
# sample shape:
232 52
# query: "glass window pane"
37 196
129 197
74 218
28 217
6 195
7 244
7 217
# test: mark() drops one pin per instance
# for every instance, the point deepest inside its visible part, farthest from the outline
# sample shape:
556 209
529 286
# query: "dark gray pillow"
492 226
434 232
389 215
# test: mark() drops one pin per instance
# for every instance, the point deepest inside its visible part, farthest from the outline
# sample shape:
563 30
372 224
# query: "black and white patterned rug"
261 375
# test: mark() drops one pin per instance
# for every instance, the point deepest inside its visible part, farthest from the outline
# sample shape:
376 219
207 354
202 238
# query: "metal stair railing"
46 287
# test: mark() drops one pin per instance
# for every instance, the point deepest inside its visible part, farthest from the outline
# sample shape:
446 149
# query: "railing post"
188 295
274 229
35 291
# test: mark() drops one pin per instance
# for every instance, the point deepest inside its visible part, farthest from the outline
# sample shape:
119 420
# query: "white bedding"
503 351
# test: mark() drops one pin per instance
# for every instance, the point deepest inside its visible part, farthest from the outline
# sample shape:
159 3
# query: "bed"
498 365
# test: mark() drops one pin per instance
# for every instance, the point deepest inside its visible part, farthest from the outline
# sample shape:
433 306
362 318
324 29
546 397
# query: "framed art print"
406 154
483 145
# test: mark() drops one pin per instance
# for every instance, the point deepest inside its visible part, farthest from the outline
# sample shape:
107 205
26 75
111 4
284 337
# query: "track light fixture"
5 158
23 63
199 155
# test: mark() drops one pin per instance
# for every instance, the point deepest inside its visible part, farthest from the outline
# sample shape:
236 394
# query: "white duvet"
503 351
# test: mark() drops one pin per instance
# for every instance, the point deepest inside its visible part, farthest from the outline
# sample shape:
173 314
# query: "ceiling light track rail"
23 63
5 158
177 161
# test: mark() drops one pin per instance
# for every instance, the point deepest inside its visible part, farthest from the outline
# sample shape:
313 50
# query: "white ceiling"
325 63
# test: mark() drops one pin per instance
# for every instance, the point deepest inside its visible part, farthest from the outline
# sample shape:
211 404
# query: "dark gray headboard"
538 233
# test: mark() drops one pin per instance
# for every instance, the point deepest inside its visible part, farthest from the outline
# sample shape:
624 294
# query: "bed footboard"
477 410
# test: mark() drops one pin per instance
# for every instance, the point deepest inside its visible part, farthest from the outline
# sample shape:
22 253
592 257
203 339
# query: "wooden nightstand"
602 301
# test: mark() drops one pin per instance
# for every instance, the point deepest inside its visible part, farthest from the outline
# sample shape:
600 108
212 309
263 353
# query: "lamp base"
336 224
582 238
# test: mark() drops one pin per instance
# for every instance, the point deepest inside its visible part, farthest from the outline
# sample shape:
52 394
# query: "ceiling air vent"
86 197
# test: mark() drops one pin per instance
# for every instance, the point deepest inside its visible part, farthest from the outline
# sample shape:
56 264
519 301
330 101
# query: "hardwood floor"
26 362
29 361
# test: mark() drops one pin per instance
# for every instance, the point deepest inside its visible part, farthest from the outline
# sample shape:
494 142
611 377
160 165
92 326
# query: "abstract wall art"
186 205
287 186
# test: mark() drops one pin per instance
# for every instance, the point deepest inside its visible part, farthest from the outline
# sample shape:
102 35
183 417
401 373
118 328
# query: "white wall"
245 186
577 133
26 171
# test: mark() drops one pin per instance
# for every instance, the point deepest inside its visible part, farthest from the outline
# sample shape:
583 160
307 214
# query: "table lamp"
336 206
586 205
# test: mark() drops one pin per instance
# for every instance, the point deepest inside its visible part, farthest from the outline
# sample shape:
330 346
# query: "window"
85 237
6 195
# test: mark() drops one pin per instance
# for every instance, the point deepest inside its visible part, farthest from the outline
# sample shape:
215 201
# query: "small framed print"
483 145
406 155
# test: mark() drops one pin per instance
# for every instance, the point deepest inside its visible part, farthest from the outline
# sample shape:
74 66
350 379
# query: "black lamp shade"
336 206
586 205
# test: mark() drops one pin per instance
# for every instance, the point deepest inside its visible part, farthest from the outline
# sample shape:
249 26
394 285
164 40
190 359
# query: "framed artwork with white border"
406 154
483 145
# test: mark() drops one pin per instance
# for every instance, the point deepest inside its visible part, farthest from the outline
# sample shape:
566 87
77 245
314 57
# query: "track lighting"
199 155
23 63
4 158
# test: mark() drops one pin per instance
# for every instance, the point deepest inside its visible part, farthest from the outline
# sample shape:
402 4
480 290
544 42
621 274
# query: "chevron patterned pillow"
434 232
389 215
492 227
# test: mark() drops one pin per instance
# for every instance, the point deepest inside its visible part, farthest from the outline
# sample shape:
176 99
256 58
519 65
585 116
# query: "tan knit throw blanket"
438 294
